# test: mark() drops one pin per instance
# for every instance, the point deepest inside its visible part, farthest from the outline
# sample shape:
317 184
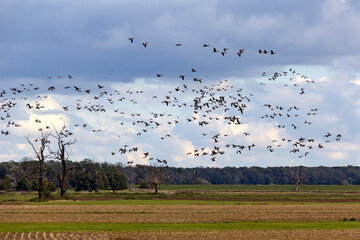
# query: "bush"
49 188
143 184
5 183
118 181
201 181
23 185
34 185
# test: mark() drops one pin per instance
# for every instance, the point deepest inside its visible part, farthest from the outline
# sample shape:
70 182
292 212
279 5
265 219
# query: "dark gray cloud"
90 38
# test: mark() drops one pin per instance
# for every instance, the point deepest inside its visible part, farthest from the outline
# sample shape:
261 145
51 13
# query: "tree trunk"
63 179
41 180
297 187
63 189
41 188
156 188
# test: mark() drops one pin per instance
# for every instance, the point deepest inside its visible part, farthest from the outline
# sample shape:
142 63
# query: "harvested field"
178 213
265 215
198 235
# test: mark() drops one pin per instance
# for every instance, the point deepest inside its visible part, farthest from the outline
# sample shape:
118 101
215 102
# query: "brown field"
178 213
328 208
198 235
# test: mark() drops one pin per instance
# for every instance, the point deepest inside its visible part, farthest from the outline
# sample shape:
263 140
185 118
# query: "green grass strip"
136 202
256 188
52 227
174 202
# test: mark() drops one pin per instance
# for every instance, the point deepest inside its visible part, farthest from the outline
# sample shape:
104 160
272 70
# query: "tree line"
84 175
92 176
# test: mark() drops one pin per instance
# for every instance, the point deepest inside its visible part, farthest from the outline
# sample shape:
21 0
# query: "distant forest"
90 175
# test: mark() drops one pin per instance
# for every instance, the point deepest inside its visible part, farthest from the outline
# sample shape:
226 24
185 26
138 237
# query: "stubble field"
271 214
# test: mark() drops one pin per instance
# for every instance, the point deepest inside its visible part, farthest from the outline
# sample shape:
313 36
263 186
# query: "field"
187 212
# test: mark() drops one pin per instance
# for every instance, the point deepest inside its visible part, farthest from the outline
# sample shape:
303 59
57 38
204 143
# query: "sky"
298 106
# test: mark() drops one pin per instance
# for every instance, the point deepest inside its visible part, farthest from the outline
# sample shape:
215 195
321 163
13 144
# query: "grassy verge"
138 202
197 193
51 227
17 196
271 188
173 202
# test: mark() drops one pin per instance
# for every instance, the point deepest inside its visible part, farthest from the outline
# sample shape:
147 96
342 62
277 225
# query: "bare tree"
39 146
298 177
63 143
156 173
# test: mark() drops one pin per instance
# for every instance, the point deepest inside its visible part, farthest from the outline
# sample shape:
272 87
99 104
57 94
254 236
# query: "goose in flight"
241 51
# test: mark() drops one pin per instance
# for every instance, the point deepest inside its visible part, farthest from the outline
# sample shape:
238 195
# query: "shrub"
23 185
118 181
5 183
34 185
49 188
143 184
201 181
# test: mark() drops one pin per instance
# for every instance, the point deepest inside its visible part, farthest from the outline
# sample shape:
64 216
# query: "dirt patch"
196 235
178 213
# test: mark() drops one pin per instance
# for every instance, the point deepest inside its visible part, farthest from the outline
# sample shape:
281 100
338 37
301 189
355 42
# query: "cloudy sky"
83 44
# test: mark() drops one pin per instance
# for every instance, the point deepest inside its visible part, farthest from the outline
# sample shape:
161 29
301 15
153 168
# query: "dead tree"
39 146
298 177
156 174
63 143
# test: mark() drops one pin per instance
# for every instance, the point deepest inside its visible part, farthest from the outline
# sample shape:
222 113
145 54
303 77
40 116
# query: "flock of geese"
211 104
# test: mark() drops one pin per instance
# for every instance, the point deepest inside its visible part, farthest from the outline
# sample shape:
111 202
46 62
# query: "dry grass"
177 213
197 235
182 214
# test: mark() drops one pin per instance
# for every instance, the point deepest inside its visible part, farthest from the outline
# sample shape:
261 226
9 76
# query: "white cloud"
338 155
50 103
238 129
21 146
7 157
322 79
249 159
31 127
343 147
328 118
356 82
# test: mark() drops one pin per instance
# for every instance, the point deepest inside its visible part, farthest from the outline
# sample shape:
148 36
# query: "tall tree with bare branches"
156 173
39 145
298 177
63 141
